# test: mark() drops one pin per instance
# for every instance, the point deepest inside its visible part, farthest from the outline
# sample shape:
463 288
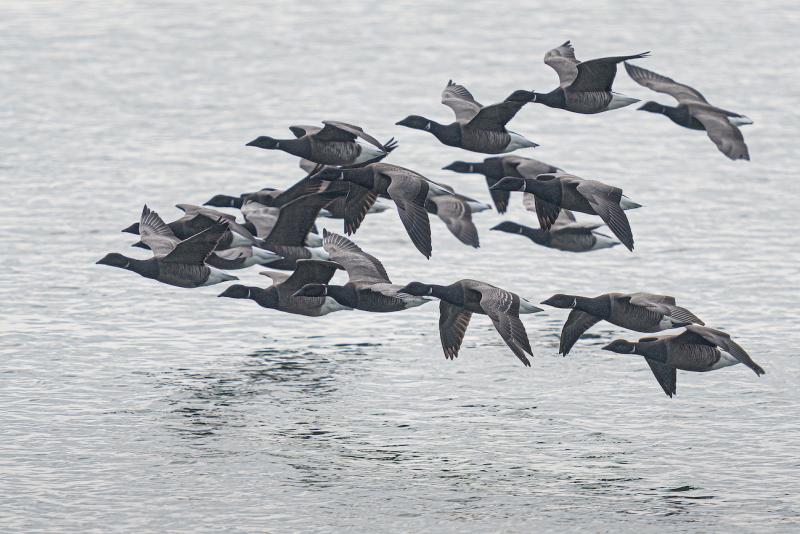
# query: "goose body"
460 300
572 237
694 112
584 86
280 296
180 263
642 312
368 288
496 168
337 143
476 128
199 218
698 349
554 192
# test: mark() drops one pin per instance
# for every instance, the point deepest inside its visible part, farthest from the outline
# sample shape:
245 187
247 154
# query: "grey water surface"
126 405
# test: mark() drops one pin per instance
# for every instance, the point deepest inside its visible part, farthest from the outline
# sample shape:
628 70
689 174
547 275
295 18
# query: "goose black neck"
266 298
553 99
147 268
547 190
493 168
451 294
344 295
597 306
449 134
297 147
652 350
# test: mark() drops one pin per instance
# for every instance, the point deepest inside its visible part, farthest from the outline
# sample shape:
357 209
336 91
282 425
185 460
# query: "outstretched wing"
502 307
577 323
196 249
356 206
665 306
342 131
722 340
363 269
296 218
453 323
457 216
598 74
461 101
308 272
666 376
604 200
155 233
661 84
562 60
726 136
496 116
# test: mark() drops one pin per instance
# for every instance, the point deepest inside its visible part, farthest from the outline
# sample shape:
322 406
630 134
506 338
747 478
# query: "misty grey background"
129 405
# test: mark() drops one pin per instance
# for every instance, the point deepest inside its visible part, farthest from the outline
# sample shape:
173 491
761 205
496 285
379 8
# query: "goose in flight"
280 295
465 297
174 262
698 348
694 112
557 191
337 143
368 288
584 86
643 312
476 128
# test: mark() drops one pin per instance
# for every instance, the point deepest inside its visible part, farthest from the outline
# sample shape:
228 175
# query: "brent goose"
498 167
284 230
643 312
280 297
584 86
197 219
337 143
465 297
477 128
181 264
408 189
698 348
556 191
368 288
694 112
227 259
566 234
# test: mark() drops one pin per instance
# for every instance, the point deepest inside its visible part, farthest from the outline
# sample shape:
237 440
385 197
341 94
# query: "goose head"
132 229
560 300
509 227
115 260
652 107
224 201
460 166
417 289
416 122
621 346
265 142
237 291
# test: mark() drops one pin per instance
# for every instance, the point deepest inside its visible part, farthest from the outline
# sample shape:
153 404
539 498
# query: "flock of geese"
346 177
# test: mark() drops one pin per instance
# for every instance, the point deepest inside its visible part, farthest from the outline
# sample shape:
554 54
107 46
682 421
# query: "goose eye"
428 126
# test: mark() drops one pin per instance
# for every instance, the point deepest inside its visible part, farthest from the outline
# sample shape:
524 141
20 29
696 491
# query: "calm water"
129 405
